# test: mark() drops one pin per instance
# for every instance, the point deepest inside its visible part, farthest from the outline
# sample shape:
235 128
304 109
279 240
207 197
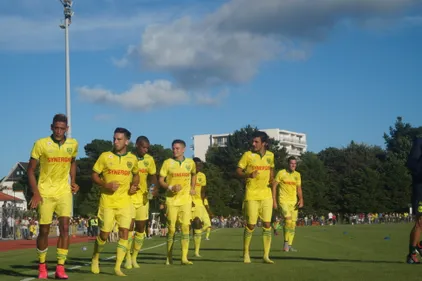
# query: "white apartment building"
295 143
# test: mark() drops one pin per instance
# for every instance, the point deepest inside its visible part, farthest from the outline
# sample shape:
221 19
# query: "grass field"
359 252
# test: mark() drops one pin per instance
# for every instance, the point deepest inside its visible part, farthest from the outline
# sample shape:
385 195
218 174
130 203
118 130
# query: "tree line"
352 179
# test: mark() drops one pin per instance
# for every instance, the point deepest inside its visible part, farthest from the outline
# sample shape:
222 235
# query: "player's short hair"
291 158
142 139
182 142
123 131
197 160
60 118
262 135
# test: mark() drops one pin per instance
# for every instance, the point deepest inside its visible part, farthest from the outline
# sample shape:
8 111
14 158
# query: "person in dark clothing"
414 163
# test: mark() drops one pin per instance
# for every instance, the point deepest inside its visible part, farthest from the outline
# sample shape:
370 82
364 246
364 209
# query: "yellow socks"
247 237
185 244
137 245
42 254
61 256
98 248
207 236
197 238
120 255
128 263
170 242
292 232
266 239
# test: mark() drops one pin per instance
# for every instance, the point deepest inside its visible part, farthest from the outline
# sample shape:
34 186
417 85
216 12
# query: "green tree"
315 184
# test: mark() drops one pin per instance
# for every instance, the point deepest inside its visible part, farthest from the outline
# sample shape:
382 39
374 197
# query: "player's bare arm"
73 185
36 197
243 175
134 187
299 196
113 186
192 184
163 184
271 176
203 193
274 192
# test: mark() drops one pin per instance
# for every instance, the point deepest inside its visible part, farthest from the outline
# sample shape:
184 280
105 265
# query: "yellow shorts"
198 212
206 220
181 214
253 209
61 206
289 210
141 212
107 217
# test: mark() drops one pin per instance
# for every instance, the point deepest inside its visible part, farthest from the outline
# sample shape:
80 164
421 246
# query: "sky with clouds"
335 70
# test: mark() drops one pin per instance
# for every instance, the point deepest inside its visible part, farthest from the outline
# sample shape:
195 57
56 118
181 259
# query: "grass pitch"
341 252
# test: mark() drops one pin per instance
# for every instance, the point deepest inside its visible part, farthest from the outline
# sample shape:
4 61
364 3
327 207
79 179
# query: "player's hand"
192 192
177 188
299 204
275 205
113 186
133 189
74 187
254 174
36 199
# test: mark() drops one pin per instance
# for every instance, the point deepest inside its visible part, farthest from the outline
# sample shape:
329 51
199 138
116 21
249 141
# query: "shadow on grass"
9 272
332 260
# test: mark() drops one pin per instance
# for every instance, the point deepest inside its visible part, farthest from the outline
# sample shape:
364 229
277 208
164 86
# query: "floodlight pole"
68 13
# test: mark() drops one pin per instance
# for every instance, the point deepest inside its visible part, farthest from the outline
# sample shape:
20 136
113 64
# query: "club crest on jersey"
146 163
268 160
188 167
129 165
69 150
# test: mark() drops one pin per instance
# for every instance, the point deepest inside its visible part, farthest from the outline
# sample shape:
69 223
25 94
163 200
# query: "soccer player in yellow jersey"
140 201
52 193
178 176
257 167
290 199
198 208
116 172
207 219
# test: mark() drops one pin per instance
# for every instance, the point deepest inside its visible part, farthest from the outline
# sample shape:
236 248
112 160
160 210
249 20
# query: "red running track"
10 245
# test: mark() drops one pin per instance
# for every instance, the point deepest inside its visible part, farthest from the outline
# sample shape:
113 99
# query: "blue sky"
335 70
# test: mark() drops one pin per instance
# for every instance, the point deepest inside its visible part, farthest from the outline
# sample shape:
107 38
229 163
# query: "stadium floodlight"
68 13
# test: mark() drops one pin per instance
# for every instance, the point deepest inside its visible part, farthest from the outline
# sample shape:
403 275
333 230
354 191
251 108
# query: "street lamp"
68 13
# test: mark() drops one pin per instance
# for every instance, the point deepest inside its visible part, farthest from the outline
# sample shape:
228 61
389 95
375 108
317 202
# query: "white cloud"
229 45
209 99
139 97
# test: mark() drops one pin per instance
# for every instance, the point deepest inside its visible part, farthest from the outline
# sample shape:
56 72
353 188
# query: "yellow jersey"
257 188
146 166
55 160
119 168
201 181
288 183
178 172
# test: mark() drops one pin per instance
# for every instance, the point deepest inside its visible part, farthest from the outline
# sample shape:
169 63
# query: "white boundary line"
51 273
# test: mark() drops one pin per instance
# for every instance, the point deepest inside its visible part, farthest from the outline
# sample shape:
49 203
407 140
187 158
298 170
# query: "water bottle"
150 191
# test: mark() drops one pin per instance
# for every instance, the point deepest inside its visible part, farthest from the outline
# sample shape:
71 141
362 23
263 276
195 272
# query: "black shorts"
417 199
